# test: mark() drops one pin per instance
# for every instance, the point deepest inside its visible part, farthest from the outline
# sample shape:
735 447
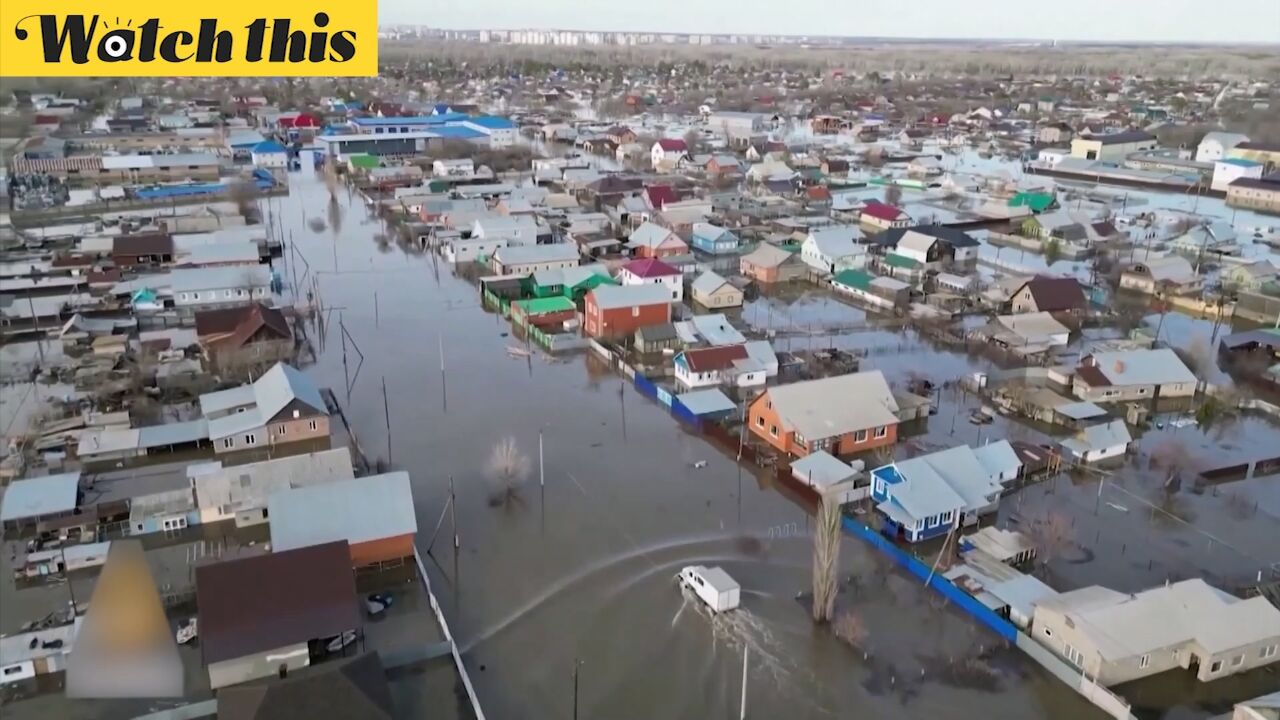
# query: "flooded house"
1116 637
771 264
354 688
240 493
1048 294
881 292
528 259
842 415
282 406
373 514
1161 276
829 477
298 598
831 250
713 239
654 241
616 311
652 271
730 365
1097 442
710 290
1123 376
30 503
238 337
196 289
933 247
926 496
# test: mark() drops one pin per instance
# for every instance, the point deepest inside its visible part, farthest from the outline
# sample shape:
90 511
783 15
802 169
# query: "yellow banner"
151 38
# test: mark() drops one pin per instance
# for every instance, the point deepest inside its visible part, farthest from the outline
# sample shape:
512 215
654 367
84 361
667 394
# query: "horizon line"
898 38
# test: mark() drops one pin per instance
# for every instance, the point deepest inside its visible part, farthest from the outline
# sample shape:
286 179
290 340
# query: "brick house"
282 406
841 415
615 311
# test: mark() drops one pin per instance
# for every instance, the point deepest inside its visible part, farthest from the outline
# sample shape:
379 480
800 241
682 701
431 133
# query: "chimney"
1119 366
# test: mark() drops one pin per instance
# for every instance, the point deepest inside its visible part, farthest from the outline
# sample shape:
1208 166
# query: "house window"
1216 666
1267 652
228 443
773 430
1075 656
860 436
759 421
1048 633
1237 660
881 432
250 439
312 424
1144 661
280 429
945 517
635 311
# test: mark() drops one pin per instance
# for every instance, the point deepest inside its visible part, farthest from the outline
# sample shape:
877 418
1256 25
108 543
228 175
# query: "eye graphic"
115 45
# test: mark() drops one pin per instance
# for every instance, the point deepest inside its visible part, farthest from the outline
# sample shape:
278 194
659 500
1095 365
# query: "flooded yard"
579 567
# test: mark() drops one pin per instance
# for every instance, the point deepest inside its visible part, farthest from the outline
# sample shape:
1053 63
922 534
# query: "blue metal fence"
959 597
645 386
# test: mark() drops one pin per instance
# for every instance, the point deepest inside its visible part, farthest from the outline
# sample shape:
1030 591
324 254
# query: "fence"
960 598
448 636
1103 698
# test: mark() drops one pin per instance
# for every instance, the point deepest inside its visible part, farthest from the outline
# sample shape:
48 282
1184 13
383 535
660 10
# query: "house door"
1193 664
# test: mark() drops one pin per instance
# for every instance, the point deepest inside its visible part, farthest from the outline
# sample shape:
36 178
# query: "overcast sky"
1228 21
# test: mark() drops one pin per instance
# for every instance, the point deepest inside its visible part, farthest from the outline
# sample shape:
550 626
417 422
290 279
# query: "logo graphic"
149 38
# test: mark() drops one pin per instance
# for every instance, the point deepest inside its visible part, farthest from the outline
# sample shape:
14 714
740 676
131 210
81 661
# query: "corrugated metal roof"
38 496
610 297
357 510
707 402
836 405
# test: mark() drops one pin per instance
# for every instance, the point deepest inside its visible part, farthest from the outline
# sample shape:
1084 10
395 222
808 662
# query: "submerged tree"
826 559
1053 535
850 629
1052 251
507 468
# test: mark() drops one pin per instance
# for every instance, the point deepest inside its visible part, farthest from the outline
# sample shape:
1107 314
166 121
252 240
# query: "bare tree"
892 194
826 558
507 468
850 629
1053 535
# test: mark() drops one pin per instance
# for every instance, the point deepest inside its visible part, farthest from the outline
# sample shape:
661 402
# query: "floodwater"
580 569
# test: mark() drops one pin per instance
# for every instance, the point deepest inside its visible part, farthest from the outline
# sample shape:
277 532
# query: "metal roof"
1160 366
650 235
821 469
530 254
219 278
716 329
267 602
1122 626
357 510
707 283
242 487
269 394
836 405
707 402
610 297
40 496
1099 437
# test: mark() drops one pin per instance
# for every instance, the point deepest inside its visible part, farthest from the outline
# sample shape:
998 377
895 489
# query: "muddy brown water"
582 568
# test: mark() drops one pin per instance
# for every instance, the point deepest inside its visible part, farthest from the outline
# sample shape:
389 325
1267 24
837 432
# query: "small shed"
828 476
709 403
656 338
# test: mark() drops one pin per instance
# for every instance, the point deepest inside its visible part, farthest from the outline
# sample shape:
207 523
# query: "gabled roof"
835 405
837 241
821 469
267 602
650 268
528 254
713 358
142 244
352 689
269 394
268 146
1131 136
769 256
881 211
951 236
39 496
651 235
707 283
1055 294
673 145
232 327
660 195
1103 436
1159 366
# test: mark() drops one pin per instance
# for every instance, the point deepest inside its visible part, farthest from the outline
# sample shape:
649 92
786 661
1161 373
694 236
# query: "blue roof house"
713 239
926 496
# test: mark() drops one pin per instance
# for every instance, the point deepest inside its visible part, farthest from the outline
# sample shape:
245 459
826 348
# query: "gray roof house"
218 286
832 249
281 406
829 476
927 496
1117 637
240 492
528 259
369 513
27 501
1099 442
1132 375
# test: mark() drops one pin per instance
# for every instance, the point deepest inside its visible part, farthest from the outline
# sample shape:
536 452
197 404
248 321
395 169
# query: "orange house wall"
785 442
376 551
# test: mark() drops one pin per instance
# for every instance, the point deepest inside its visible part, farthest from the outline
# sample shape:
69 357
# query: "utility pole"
453 517
386 412
742 712
576 663
542 477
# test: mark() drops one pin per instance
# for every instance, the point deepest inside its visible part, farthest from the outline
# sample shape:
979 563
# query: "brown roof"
267 602
143 244
351 689
715 358
234 326
1092 376
1054 294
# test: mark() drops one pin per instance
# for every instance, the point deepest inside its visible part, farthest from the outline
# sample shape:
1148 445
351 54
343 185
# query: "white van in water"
713 586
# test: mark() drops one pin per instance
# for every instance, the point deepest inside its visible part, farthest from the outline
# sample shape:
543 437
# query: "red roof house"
883 215
657 196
